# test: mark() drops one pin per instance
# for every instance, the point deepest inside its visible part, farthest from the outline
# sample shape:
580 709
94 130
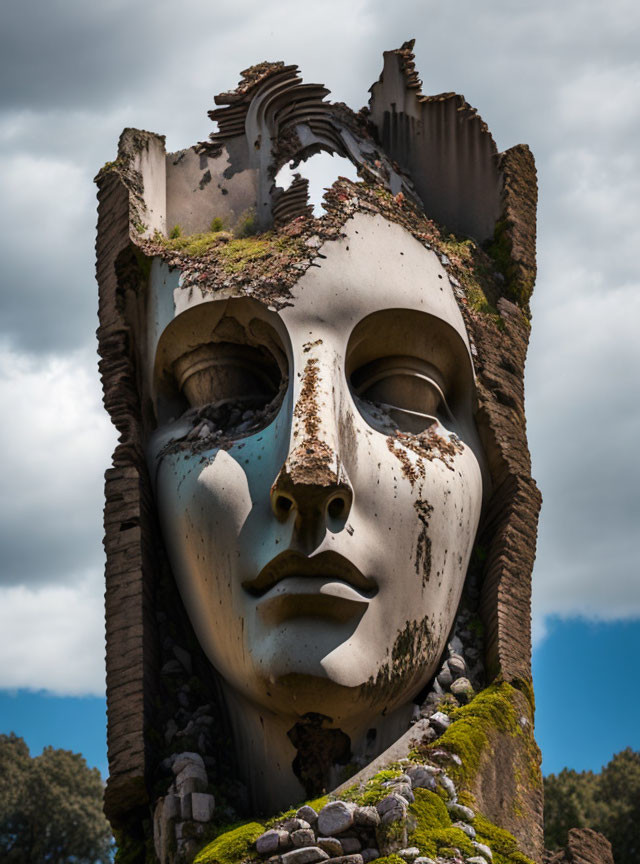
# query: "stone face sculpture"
320 523
320 566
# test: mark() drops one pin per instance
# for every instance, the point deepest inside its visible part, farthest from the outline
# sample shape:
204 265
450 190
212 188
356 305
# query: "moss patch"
232 846
469 735
233 253
373 790
434 832
503 845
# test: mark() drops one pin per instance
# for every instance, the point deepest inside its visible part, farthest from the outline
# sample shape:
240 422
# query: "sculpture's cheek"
411 528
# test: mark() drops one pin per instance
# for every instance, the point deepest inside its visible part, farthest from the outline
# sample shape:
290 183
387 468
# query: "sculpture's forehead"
376 265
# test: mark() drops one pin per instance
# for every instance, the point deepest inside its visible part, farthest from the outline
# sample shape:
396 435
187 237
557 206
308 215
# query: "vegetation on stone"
468 736
231 846
50 807
434 831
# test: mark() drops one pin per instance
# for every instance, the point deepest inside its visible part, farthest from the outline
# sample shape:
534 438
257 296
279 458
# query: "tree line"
50 807
608 802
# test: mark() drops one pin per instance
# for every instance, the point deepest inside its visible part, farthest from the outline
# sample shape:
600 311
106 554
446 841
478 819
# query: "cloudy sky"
564 78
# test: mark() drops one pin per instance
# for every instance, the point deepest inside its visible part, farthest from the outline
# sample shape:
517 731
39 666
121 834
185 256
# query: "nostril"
283 505
337 508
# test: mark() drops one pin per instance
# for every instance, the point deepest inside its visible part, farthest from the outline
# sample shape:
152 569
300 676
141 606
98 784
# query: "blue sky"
563 78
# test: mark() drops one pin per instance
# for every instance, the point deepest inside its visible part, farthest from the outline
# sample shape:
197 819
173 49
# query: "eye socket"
407 390
223 372
232 389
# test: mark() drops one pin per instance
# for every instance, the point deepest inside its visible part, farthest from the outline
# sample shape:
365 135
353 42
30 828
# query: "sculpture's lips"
327 566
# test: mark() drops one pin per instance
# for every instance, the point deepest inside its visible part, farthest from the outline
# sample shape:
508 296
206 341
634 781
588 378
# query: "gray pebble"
462 689
459 811
404 789
391 804
483 850
367 817
295 824
370 854
469 830
456 665
445 677
308 814
422 778
351 845
306 855
271 841
447 785
348 859
409 854
331 845
335 817
440 721
303 837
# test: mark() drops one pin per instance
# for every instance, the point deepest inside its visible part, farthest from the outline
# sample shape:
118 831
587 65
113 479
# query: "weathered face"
320 495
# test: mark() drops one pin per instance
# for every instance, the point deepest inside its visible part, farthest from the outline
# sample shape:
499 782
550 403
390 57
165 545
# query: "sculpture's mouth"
302 575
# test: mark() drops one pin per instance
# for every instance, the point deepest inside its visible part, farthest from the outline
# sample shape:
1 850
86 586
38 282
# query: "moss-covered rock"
232 847
433 830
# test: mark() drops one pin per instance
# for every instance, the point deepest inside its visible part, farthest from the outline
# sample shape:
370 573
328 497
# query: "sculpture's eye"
407 390
223 372
233 388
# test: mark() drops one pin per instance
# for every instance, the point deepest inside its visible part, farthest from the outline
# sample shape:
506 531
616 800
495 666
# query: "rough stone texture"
307 855
335 817
442 142
584 846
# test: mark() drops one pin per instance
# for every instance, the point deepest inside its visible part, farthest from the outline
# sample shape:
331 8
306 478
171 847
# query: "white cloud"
53 638
56 442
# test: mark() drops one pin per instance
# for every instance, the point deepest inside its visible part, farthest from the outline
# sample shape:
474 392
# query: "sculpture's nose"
312 483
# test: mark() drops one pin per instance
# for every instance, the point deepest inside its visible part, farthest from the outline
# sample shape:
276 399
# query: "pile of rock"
343 832
461 674
180 816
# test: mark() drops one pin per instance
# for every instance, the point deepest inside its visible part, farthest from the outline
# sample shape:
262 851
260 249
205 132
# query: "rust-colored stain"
310 463
427 445
423 546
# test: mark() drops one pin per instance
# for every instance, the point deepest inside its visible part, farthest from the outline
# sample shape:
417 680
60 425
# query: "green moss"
525 685
470 732
518 288
231 847
390 859
374 790
247 225
503 845
434 832
473 273
216 225
233 253
175 232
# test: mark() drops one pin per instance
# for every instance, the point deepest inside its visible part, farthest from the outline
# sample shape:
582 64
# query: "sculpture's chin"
306 667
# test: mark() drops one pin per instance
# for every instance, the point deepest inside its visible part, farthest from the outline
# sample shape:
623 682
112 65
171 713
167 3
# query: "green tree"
608 802
50 807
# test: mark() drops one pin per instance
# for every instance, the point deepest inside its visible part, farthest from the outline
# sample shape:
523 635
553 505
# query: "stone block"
202 806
